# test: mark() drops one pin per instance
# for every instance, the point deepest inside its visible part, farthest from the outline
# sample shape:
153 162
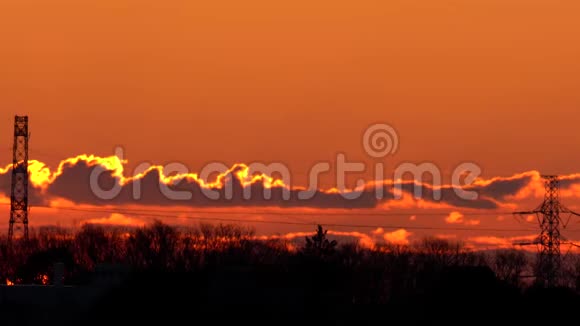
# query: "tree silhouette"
509 265
153 247
319 245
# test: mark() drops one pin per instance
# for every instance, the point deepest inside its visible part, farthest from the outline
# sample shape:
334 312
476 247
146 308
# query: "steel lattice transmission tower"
548 213
19 194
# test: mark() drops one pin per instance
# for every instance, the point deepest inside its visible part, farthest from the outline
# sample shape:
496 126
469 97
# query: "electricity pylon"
548 214
19 193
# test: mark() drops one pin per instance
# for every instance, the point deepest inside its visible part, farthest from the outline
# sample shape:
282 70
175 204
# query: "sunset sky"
493 82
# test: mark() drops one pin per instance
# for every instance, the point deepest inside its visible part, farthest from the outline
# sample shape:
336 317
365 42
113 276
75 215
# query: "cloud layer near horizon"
240 186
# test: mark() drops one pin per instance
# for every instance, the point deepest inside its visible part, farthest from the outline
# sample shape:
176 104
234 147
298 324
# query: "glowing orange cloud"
499 242
116 219
364 240
42 177
399 237
407 201
454 218
534 189
458 218
446 236
4 200
486 182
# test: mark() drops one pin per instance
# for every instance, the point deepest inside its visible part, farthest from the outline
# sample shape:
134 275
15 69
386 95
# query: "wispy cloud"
458 218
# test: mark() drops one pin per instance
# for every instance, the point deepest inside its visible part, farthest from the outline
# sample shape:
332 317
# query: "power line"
571 244
171 214
346 214
357 226
273 213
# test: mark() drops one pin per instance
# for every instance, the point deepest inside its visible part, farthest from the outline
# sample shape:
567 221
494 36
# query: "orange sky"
480 80
490 81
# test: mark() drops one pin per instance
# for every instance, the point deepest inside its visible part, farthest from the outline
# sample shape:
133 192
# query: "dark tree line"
219 265
161 248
